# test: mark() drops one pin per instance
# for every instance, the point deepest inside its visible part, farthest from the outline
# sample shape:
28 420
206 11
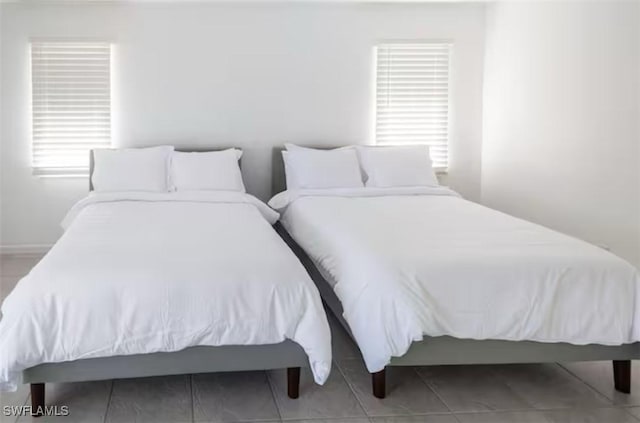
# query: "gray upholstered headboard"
278 177
181 149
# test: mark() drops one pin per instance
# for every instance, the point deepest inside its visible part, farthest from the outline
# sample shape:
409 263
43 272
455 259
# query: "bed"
175 295
420 276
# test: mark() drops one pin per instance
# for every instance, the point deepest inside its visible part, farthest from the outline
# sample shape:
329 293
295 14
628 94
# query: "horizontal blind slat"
81 83
69 119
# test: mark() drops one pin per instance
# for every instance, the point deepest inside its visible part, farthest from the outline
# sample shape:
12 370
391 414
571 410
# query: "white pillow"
134 169
397 166
312 168
213 170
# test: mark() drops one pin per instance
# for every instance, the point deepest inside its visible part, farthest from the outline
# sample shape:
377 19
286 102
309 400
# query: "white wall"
252 75
561 142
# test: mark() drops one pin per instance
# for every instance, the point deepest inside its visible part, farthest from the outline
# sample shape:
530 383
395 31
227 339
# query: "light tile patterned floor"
532 393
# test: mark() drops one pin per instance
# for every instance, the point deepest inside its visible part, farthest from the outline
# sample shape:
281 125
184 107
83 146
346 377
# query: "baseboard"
25 249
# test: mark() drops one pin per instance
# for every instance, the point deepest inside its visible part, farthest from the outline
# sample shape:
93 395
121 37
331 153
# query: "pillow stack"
358 166
161 169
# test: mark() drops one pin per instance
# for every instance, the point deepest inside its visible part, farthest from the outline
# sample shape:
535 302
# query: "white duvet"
140 273
422 261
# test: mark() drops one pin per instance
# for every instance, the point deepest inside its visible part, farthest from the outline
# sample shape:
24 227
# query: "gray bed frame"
200 359
446 350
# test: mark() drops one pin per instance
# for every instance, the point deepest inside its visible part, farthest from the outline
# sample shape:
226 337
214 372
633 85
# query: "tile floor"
531 393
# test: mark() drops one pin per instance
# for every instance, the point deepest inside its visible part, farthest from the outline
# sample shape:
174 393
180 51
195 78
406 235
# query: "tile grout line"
24 403
325 419
351 388
496 374
632 416
526 410
433 389
455 416
106 413
385 416
608 403
193 401
587 384
538 411
273 394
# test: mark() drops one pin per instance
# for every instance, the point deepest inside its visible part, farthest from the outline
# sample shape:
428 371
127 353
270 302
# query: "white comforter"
141 273
423 261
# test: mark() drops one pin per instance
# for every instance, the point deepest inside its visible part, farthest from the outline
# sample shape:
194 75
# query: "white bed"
142 274
409 264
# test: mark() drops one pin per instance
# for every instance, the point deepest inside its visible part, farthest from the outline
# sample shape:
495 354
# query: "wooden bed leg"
293 382
37 399
622 375
378 382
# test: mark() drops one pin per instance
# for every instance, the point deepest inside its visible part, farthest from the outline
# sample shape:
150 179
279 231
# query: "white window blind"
71 88
412 97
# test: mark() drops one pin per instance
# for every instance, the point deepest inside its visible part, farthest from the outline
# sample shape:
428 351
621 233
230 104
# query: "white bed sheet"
416 262
140 273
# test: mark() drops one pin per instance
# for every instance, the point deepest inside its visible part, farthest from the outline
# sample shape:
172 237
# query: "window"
412 97
71 109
